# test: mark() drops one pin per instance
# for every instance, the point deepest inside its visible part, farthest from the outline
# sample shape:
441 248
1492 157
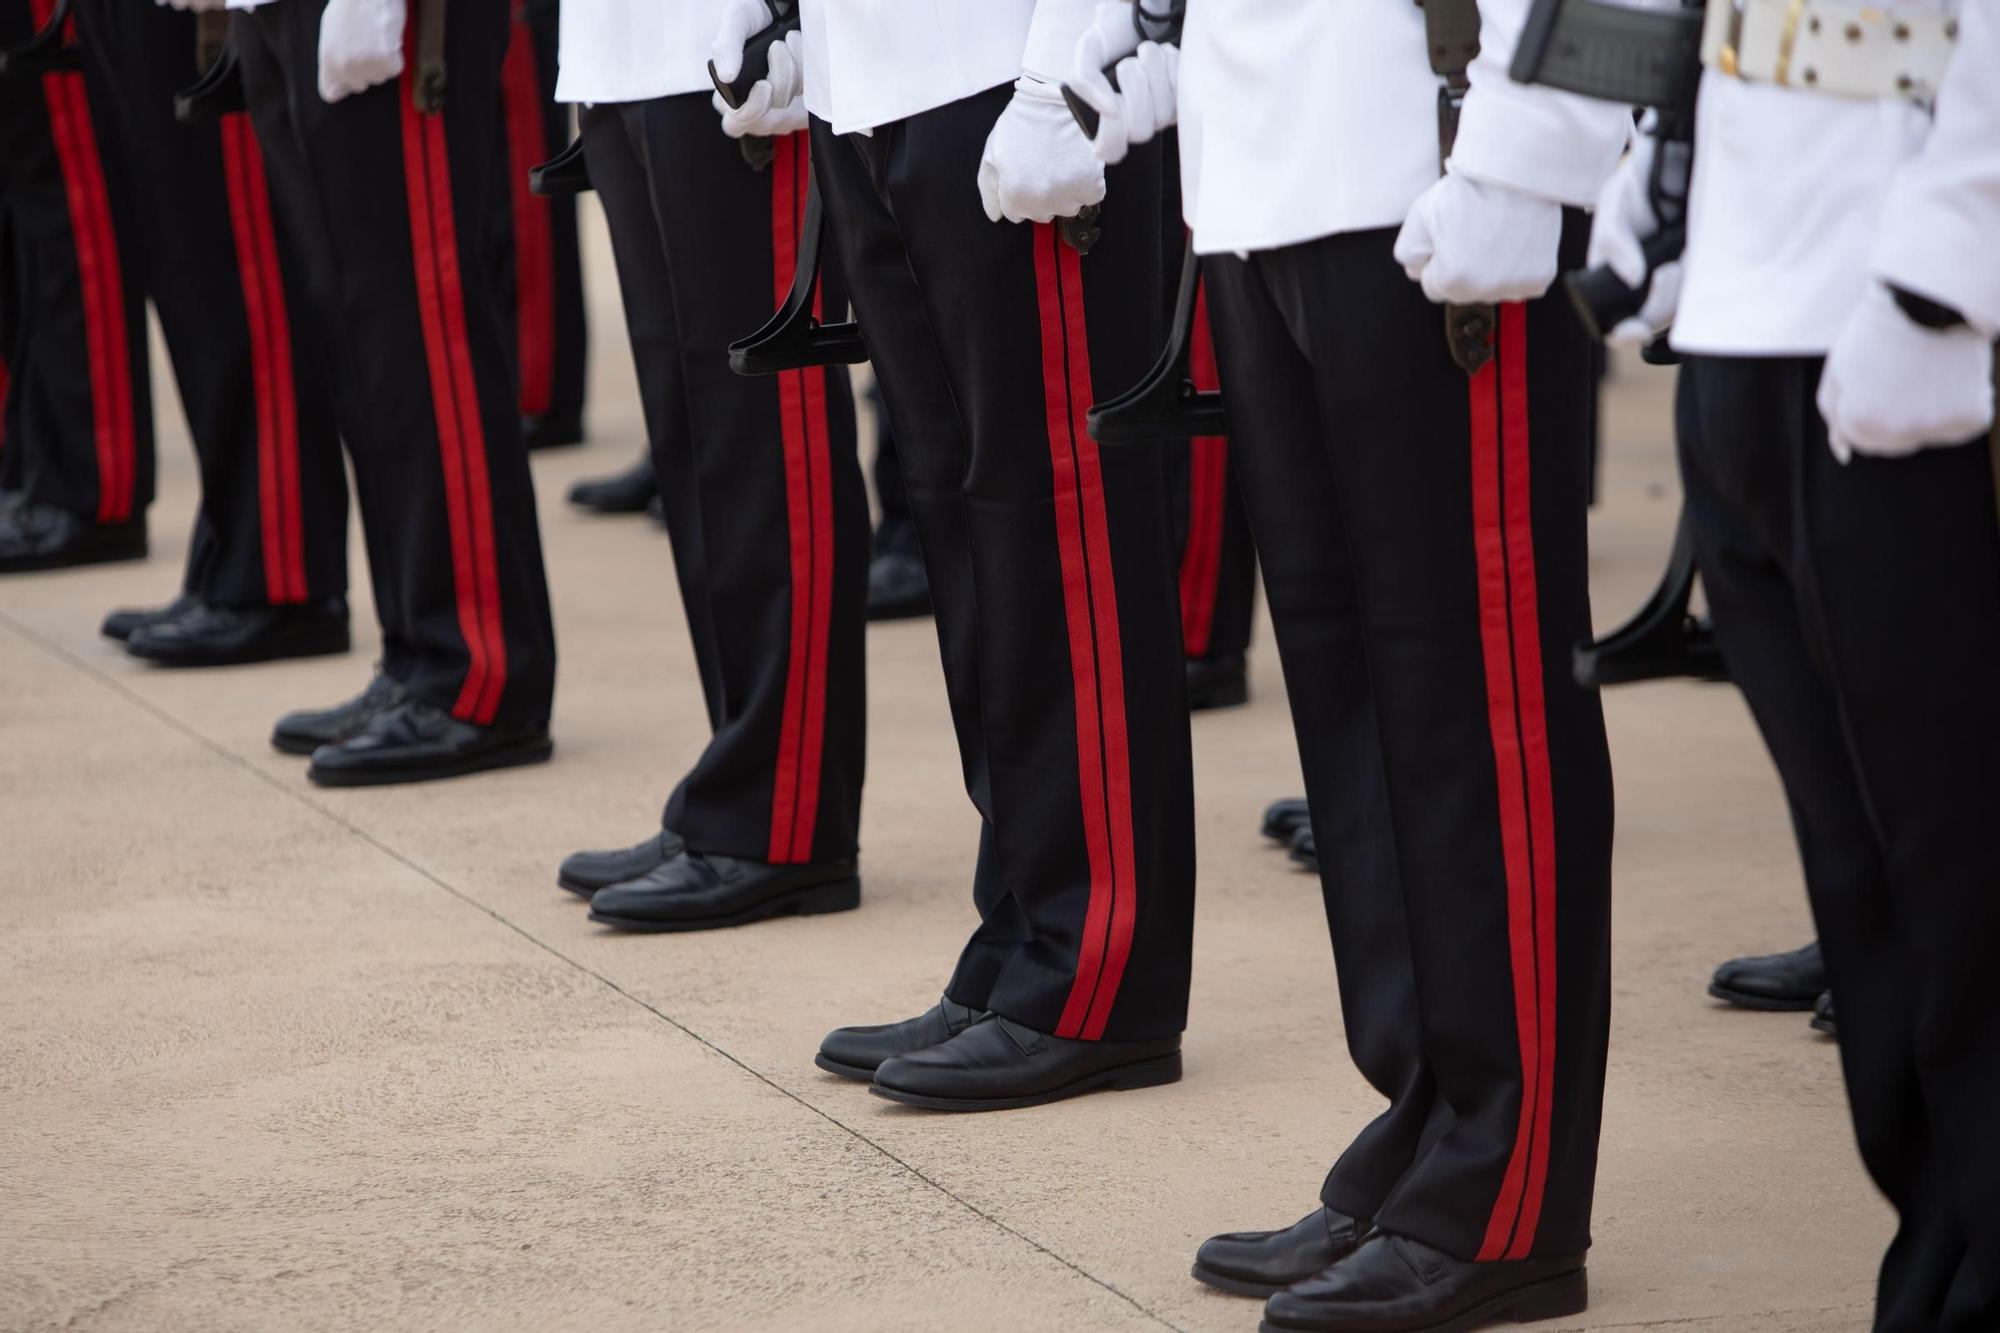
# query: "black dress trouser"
765 504
388 204
538 268
1858 607
1218 566
229 286
1422 538
1050 564
78 422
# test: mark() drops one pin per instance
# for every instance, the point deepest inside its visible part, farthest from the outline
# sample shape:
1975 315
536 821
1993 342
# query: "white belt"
1842 49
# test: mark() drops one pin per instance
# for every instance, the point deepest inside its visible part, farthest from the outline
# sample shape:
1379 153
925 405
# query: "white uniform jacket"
1798 197
1303 118
633 50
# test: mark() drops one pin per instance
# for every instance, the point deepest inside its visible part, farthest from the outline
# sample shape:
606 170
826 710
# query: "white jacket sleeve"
1940 231
1053 35
1534 139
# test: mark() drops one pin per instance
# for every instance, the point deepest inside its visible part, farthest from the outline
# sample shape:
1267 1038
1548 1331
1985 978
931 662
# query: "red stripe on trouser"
1208 481
105 331
455 400
1503 525
1097 670
534 266
809 535
270 362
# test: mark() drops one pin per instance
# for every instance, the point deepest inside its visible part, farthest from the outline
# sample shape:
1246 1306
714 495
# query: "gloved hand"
1037 166
774 104
360 45
1622 223
193 5
1466 242
1892 386
1146 99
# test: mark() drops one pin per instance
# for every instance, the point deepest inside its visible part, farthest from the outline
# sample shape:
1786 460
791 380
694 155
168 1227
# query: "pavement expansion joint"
306 799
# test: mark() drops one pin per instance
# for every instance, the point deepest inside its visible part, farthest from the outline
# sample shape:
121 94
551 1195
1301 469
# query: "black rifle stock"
1165 405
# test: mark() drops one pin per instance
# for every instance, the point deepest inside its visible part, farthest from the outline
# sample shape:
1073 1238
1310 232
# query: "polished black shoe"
120 623
304 731
39 536
587 872
898 587
1392 1284
857 1052
1284 818
1778 981
996 1064
1259 1263
702 891
227 636
1220 682
627 492
1824 1019
416 741
551 432
1304 851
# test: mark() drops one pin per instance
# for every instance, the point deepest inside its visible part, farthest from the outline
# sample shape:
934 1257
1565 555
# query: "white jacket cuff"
1539 141
1052 37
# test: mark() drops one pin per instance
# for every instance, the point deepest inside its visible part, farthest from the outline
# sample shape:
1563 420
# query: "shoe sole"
327 647
301 746
856 1072
1153 1073
1552 1298
583 891
1765 1004
812 900
1237 1286
1830 1026
1281 833
509 756
899 611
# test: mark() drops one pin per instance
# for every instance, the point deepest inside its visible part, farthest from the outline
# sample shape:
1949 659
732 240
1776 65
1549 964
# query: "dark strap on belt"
430 80
1644 57
1451 34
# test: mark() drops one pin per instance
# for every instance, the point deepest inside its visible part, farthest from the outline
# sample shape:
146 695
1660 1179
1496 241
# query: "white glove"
1146 99
1892 386
773 106
1467 242
193 5
360 45
1037 166
1621 225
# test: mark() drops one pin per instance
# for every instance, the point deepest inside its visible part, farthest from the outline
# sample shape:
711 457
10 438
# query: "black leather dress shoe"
416 741
226 636
857 1052
1258 1263
587 872
39 536
120 623
701 891
1219 682
1284 818
898 587
1824 1019
1391 1284
309 728
627 492
996 1064
551 432
1304 852
1778 981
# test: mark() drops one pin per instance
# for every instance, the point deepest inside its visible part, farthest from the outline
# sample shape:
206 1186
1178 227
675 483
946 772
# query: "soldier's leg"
272 527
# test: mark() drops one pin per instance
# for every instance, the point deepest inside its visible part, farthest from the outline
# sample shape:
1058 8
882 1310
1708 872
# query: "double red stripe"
809 531
1097 662
270 362
455 399
105 331
534 263
1208 491
1510 636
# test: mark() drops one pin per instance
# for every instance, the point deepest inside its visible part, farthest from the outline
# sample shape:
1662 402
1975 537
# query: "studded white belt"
1845 50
